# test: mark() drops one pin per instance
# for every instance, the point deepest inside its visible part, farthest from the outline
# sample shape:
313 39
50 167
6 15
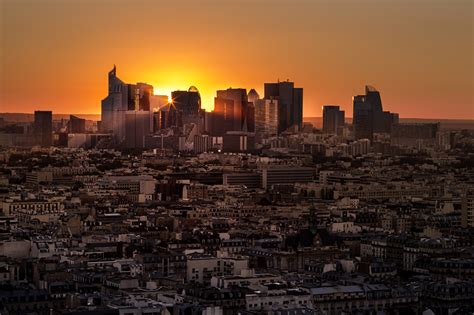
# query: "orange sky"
55 54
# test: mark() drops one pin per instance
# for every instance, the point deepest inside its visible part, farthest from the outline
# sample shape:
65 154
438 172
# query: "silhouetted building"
333 119
290 103
222 118
76 124
188 102
170 117
43 128
369 117
250 119
145 91
240 103
362 121
253 96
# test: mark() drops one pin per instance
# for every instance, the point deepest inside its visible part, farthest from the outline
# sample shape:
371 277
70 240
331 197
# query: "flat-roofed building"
275 175
247 179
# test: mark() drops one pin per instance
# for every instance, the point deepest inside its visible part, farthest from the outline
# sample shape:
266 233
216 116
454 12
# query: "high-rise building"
369 117
43 127
240 103
76 124
145 91
290 103
188 102
170 117
114 106
253 96
249 124
363 121
333 119
121 98
266 117
222 118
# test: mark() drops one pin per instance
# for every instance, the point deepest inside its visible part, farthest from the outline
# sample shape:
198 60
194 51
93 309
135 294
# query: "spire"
113 72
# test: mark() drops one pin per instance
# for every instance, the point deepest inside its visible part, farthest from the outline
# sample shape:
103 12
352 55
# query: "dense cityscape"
162 207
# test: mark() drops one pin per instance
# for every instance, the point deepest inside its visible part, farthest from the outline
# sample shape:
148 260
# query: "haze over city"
54 54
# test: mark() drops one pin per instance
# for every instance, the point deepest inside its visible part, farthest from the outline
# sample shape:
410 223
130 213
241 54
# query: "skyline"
435 75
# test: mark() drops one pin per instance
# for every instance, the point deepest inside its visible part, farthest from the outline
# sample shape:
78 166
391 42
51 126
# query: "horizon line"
304 117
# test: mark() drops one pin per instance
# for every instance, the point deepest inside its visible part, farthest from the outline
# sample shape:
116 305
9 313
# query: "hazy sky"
55 54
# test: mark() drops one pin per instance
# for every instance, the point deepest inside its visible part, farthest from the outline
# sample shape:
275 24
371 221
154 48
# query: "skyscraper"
240 100
43 127
253 96
222 118
188 102
114 106
290 103
333 119
369 117
363 121
123 97
170 117
145 91
266 117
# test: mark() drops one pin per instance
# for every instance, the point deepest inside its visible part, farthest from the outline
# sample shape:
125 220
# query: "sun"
170 99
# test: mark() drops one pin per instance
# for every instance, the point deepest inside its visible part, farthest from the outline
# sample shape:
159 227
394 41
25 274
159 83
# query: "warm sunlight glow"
170 100
173 78
193 52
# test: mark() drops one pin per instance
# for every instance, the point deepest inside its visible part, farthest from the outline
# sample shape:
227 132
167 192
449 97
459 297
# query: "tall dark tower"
290 103
43 127
369 117
222 117
240 100
372 96
188 102
333 119
363 121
